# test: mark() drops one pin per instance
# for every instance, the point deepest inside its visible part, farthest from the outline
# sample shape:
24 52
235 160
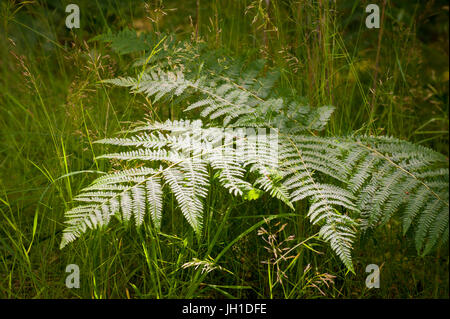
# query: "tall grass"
53 106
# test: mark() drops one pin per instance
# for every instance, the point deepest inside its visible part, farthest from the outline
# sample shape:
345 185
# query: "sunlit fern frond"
389 175
349 183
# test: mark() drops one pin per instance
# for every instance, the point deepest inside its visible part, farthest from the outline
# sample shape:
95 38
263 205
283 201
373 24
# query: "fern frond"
121 194
349 183
390 175
190 205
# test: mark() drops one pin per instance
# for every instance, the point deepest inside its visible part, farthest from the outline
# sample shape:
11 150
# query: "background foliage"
392 81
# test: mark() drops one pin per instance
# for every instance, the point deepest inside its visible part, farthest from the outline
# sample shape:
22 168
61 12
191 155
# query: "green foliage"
350 182
125 41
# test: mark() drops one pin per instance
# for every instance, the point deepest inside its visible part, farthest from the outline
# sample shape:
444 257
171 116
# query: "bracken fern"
351 182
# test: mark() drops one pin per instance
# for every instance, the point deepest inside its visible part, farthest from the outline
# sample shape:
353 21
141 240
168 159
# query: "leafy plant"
351 183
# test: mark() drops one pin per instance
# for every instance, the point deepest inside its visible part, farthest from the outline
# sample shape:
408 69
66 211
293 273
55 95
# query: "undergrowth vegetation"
268 149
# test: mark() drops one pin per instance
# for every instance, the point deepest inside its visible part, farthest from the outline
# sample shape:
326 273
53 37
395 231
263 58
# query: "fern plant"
352 183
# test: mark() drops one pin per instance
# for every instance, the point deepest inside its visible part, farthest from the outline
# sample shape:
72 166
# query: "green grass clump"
54 105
